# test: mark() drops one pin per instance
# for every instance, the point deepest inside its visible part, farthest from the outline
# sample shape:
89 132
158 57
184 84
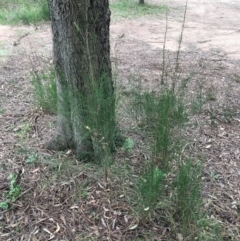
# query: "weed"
211 94
23 130
95 216
13 193
94 120
188 196
213 175
151 187
222 114
4 205
45 91
197 102
159 115
128 145
31 159
84 193
2 111
209 230
229 113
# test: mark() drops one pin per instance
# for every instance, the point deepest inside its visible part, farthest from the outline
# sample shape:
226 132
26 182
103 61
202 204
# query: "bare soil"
210 52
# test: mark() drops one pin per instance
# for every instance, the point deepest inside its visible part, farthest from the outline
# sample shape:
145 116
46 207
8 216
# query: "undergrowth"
164 183
22 11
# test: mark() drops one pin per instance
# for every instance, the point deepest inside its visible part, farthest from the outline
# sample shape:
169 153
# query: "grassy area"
25 12
122 9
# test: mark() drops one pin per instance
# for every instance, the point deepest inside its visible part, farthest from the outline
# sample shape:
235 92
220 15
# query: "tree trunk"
81 52
141 1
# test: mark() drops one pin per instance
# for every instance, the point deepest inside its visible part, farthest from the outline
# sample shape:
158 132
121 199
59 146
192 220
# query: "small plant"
209 230
188 196
94 115
84 193
4 205
2 111
15 189
213 175
128 145
229 113
197 102
211 94
24 130
13 193
45 91
31 159
159 115
151 187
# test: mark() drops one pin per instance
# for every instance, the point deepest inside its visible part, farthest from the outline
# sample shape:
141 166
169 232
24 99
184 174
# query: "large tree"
81 54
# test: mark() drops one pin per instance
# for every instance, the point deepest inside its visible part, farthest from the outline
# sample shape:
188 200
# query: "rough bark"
81 50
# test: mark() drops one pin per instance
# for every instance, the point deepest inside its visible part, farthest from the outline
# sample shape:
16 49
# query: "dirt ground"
210 52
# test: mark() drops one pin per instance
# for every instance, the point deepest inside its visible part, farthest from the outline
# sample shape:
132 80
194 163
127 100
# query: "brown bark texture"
81 56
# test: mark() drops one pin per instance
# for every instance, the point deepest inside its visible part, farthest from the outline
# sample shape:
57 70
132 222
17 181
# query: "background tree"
141 1
81 49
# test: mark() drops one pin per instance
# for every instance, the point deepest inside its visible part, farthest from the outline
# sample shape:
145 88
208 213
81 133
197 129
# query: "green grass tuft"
188 195
45 91
151 187
159 115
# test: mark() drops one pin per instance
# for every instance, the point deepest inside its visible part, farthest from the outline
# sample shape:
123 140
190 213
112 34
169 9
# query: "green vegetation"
164 183
98 122
188 195
151 188
128 145
2 111
160 117
32 158
22 11
32 11
45 91
132 9
13 193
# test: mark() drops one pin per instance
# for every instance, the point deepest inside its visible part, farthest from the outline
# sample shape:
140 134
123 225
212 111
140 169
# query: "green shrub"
188 195
151 187
159 115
